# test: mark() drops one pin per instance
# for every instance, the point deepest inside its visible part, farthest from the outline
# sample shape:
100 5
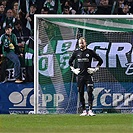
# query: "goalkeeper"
84 73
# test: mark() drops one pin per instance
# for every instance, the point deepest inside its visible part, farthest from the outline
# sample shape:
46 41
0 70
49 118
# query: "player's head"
82 43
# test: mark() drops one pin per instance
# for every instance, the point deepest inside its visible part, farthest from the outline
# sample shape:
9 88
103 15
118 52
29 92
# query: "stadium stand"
12 11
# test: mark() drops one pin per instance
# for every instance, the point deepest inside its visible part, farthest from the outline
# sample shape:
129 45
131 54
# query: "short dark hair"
34 5
8 26
18 22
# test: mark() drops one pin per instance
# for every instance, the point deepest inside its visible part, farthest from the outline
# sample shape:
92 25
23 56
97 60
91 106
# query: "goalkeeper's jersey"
84 60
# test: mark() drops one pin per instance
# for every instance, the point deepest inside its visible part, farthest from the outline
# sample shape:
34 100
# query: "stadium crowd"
19 14
13 12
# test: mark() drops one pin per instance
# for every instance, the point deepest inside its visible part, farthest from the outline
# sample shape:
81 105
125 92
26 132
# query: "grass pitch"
67 123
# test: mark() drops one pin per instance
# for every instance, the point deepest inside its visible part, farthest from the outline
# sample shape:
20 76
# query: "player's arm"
100 61
72 58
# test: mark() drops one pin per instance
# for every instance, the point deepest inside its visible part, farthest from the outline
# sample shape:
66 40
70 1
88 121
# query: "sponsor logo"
22 101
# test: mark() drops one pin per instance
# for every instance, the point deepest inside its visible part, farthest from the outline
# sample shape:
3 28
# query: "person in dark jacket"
84 73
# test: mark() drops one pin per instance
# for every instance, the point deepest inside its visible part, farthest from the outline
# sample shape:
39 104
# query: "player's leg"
89 84
81 84
90 100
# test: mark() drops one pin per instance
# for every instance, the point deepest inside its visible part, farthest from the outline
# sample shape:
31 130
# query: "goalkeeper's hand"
75 70
92 70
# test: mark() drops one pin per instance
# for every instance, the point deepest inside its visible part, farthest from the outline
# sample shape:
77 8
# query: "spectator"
30 18
4 3
44 10
77 5
25 6
39 4
21 32
9 44
66 10
104 7
68 3
29 66
90 9
9 19
15 10
86 4
120 6
2 12
120 3
130 4
9 3
126 10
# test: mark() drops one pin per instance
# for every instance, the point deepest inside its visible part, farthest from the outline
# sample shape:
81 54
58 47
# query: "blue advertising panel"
19 98
16 98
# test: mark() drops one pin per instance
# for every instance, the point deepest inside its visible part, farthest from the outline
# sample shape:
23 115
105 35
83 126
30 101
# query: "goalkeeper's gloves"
92 70
75 70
